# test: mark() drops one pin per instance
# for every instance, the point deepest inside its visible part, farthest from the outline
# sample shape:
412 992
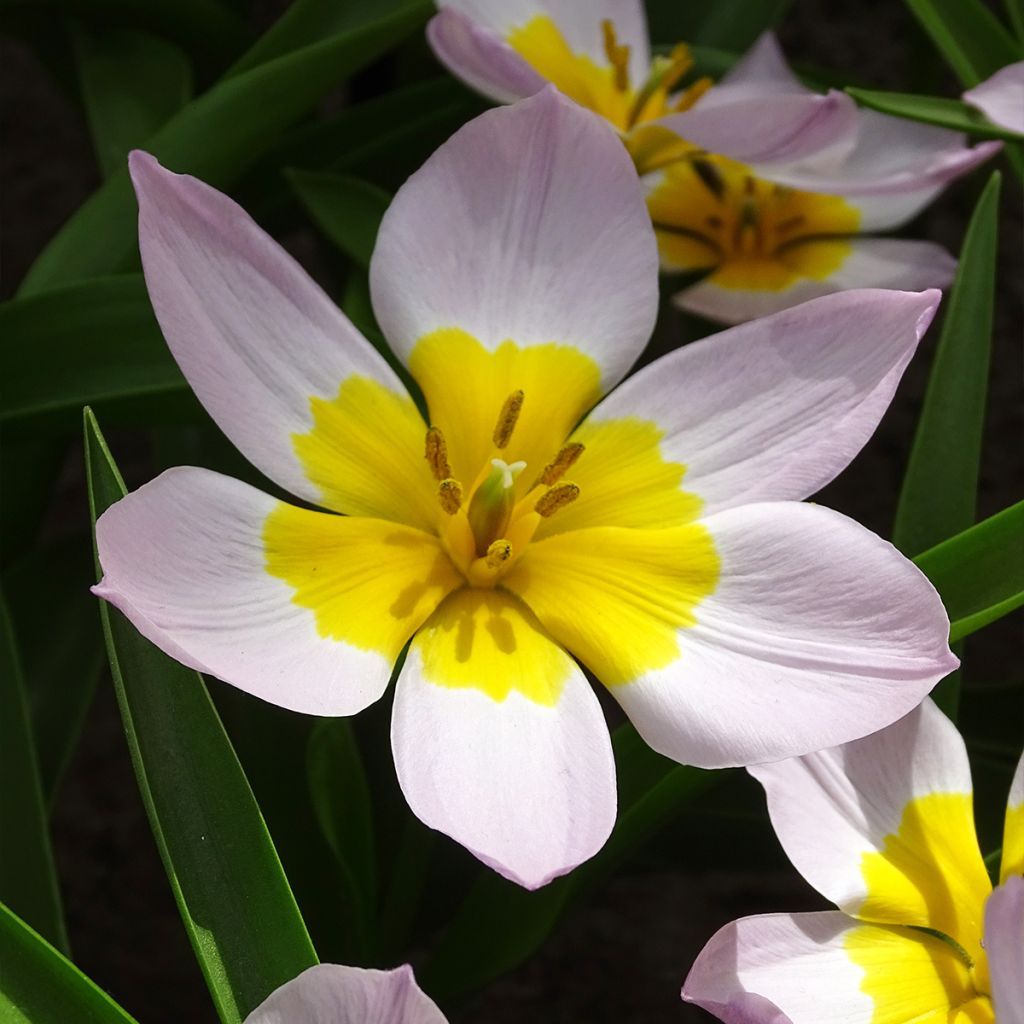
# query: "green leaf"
970 37
215 137
234 899
62 654
131 82
979 573
500 924
939 493
28 878
341 798
40 986
938 110
348 210
95 341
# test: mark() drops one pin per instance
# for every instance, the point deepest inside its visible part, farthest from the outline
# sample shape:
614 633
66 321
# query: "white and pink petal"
1004 946
1001 97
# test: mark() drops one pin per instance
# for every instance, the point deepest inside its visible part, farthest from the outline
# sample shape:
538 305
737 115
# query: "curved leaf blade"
40 986
234 899
937 110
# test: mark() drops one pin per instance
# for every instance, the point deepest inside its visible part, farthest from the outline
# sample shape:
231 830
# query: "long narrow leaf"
970 37
28 878
938 110
215 137
233 896
39 986
92 342
980 572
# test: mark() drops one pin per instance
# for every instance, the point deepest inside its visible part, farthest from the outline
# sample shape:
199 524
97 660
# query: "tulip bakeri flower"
884 828
656 536
1001 97
597 52
809 231
335 994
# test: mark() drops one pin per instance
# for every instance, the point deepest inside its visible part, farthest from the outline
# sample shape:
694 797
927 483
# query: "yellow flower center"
606 88
712 213
486 527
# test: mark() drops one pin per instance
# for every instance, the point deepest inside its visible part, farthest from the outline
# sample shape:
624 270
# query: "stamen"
437 454
564 461
558 497
710 177
449 493
689 96
680 62
498 553
618 56
507 419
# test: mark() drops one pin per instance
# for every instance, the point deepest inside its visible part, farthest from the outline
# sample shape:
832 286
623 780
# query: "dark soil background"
623 956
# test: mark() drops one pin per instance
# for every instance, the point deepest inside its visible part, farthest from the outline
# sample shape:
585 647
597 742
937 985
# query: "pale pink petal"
775 409
497 235
255 337
899 797
817 632
1004 943
480 58
500 742
1001 97
333 994
1012 862
763 69
800 969
871 263
185 558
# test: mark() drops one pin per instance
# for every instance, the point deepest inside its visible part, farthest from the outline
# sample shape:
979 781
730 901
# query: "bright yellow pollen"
507 419
558 497
710 213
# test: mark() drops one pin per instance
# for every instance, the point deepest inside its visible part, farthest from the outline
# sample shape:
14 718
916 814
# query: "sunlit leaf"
132 82
979 573
937 110
234 899
40 986
28 878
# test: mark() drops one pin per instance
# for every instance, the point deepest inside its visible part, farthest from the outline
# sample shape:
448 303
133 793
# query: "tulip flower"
809 231
656 536
597 53
333 994
1001 97
884 828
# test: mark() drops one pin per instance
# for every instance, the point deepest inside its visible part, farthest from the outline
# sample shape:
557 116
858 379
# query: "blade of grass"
28 876
234 899
937 110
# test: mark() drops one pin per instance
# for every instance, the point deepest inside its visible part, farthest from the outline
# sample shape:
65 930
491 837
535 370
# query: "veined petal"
333 994
1013 829
884 826
758 633
737 292
1001 97
500 742
527 226
303 609
827 969
266 351
1004 943
896 168
769 410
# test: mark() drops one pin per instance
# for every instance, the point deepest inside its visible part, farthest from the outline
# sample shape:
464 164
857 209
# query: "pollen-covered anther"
563 462
618 56
436 452
558 497
507 419
498 553
449 493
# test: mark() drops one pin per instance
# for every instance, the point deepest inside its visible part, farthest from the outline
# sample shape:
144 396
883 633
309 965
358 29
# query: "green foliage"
937 110
39 986
28 880
234 899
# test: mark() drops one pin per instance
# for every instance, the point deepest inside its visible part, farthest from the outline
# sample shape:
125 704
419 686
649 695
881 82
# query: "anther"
710 177
449 493
437 454
563 462
558 497
507 419
689 96
498 553
618 56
